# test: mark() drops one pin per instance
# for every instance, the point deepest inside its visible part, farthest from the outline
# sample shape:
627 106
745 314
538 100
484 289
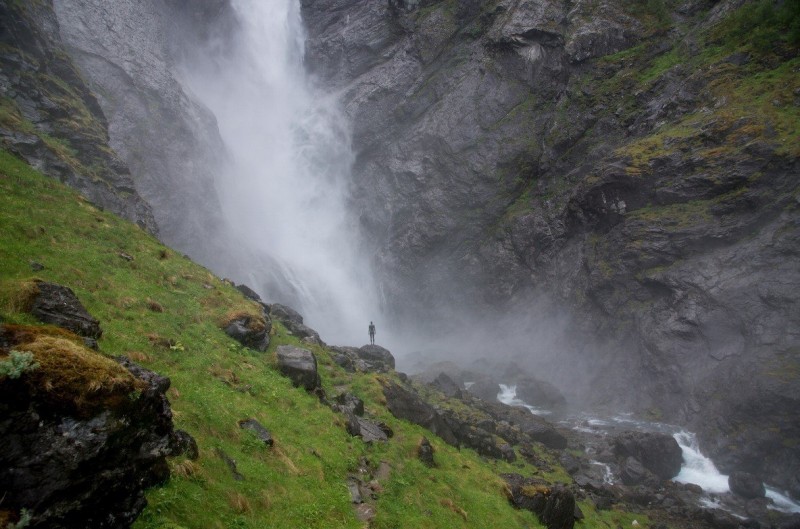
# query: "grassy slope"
300 482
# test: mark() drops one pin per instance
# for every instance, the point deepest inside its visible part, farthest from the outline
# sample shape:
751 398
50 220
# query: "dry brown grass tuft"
183 469
254 319
75 378
138 356
447 502
18 296
154 306
238 502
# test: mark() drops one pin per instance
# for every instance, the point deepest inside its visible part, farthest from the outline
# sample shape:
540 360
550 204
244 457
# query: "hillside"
165 312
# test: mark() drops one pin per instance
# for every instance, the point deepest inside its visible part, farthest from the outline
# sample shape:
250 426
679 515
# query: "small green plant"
24 520
17 364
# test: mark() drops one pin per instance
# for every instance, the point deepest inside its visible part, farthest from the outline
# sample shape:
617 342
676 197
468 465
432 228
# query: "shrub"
17 364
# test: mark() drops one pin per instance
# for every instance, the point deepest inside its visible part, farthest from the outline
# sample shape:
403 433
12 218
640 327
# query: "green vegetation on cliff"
163 311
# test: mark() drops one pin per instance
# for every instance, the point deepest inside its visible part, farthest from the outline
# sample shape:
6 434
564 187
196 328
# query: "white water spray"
285 190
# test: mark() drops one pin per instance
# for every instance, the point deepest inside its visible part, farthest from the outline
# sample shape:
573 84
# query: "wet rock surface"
677 264
58 305
87 468
300 365
294 323
250 331
52 97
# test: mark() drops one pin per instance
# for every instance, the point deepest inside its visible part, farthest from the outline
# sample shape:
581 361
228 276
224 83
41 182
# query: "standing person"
372 333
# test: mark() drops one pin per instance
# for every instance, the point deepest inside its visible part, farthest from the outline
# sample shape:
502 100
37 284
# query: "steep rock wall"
51 118
169 142
634 166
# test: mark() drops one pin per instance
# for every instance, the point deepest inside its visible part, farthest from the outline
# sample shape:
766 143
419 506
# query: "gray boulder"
300 365
746 485
258 429
250 331
293 321
376 358
407 404
58 305
369 431
446 385
425 452
659 453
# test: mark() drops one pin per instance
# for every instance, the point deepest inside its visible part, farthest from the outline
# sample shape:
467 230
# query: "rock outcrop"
658 453
554 505
293 321
82 435
58 305
548 155
300 365
249 330
51 116
127 55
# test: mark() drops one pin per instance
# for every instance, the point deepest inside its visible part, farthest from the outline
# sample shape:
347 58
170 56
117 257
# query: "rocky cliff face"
51 118
170 143
633 166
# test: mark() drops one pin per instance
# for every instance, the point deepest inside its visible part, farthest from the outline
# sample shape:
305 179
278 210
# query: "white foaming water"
697 468
700 470
508 395
285 189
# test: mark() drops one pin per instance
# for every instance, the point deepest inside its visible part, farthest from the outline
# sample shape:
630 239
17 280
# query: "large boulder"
80 457
553 505
58 305
249 330
659 453
293 321
300 365
746 485
369 431
376 358
406 404
447 385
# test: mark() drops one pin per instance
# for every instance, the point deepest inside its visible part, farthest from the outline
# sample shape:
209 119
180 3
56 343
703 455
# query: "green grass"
301 480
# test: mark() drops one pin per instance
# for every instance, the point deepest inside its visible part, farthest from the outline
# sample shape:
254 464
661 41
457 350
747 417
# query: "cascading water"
285 190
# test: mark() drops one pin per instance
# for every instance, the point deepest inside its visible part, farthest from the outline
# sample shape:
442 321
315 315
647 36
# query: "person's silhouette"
372 333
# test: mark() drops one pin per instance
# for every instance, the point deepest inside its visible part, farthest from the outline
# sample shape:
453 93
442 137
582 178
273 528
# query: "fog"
285 185
286 196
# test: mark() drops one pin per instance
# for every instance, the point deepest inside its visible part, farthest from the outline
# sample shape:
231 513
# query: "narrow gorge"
585 209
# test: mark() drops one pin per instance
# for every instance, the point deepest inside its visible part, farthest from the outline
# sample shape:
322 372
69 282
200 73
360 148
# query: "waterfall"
285 189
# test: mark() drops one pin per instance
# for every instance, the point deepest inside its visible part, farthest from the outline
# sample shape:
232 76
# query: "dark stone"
58 305
376 358
386 429
425 452
553 505
344 361
91 343
633 472
507 453
406 404
546 434
659 453
248 292
293 322
250 331
446 385
36 267
184 444
89 471
746 485
231 464
369 431
559 511
155 382
256 427
300 365
349 403
578 513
